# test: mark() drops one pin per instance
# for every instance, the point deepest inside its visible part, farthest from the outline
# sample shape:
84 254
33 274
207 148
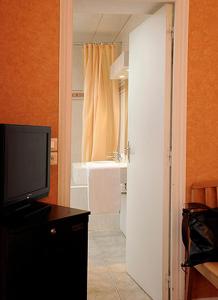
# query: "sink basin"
101 162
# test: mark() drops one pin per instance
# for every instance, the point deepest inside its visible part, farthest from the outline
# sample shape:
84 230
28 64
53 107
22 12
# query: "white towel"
104 190
79 174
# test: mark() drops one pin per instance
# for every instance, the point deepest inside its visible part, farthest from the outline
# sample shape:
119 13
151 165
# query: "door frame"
179 103
179 125
65 101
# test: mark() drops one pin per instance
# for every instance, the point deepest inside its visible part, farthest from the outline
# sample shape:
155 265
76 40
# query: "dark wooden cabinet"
45 257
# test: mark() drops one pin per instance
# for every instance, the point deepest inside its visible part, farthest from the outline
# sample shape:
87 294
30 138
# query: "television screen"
25 157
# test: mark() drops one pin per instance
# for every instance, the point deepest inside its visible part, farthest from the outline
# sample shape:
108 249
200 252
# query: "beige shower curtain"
101 110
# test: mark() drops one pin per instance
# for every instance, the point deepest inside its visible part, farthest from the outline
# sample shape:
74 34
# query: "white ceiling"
115 6
109 20
104 28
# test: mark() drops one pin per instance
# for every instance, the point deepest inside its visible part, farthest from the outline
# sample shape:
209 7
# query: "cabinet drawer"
64 231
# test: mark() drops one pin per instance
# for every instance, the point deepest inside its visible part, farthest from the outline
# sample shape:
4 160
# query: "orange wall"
202 122
29 66
202 118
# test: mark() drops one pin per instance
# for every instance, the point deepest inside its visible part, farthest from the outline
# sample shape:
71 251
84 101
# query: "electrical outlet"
54 158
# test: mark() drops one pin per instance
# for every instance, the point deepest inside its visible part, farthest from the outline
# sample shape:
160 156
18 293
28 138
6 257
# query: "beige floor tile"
117 268
107 276
100 295
100 286
135 294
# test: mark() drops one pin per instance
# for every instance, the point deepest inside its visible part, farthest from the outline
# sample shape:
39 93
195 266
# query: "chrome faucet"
116 156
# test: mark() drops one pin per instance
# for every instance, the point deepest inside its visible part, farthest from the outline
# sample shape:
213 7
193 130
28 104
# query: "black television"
24 164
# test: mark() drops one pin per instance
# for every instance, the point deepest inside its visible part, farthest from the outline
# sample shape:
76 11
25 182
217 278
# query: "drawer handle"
53 231
77 227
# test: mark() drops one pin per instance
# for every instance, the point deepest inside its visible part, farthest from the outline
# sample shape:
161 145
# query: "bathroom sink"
101 162
80 171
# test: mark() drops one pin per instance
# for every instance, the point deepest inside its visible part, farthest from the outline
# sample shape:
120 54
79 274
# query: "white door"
148 196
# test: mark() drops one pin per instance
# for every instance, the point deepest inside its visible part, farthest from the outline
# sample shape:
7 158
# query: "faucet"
116 156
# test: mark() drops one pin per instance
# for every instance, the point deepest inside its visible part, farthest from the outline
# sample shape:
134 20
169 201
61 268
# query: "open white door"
148 197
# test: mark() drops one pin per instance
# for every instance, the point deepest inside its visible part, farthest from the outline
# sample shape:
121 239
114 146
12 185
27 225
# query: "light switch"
54 158
54 144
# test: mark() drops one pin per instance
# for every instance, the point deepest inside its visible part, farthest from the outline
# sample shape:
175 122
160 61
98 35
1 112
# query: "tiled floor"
108 279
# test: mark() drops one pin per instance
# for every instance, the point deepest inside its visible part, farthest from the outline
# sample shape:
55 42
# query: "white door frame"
178 124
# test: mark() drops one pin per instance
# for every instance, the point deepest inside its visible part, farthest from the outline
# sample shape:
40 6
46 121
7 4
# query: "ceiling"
115 6
104 28
108 21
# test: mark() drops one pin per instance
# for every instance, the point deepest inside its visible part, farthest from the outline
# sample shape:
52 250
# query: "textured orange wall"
202 122
29 66
202 118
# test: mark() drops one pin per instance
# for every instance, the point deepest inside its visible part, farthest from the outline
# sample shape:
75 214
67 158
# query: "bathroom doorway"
97 184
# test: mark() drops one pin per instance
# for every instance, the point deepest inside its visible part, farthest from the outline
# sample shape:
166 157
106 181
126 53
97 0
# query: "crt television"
24 163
